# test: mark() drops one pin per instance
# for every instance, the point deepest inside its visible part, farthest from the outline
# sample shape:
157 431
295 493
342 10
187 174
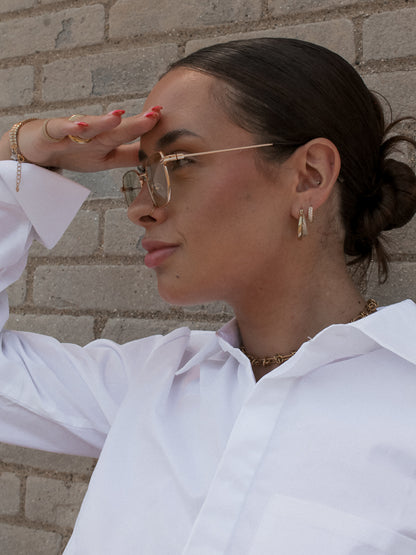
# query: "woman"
305 445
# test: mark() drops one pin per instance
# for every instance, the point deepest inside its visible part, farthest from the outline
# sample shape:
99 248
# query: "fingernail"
152 114
117 112
82 123
157 108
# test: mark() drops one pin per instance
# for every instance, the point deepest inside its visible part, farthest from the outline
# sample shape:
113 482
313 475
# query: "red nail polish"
151 115
117 112
82 123
157 108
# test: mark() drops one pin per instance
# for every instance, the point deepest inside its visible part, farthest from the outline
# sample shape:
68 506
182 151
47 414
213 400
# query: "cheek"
229 190
221 213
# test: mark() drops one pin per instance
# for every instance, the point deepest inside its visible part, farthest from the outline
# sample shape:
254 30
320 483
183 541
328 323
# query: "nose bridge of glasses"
144 183
143 178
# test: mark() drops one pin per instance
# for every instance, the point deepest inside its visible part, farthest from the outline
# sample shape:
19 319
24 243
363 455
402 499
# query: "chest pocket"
297 527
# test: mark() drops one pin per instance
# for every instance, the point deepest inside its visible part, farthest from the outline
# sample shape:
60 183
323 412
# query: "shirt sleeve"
42 209
53 396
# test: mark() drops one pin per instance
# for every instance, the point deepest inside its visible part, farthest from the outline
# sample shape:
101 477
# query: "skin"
232 219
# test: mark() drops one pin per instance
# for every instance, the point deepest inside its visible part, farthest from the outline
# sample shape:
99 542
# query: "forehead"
178 87
189 102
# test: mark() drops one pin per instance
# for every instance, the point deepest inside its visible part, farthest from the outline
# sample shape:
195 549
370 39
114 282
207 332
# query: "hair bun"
391 204
397 184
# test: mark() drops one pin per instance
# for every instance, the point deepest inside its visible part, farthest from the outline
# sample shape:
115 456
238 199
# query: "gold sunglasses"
155 174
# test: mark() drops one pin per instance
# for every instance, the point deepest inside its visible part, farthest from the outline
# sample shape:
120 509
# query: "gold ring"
75 138
46 135
78 140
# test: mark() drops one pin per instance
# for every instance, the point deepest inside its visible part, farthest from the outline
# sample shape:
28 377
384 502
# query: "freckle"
177 276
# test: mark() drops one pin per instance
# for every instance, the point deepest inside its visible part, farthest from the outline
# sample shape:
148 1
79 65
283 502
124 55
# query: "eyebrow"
167 139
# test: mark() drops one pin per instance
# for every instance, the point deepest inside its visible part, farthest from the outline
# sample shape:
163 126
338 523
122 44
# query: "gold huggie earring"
302 228
310 214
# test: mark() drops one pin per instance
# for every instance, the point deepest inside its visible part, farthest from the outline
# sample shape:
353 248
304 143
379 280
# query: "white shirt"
195 457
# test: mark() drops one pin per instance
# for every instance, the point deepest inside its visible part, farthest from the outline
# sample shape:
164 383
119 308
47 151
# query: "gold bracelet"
16 155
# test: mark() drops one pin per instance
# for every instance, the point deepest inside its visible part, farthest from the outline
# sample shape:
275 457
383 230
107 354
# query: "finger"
131 128
83 126
108 129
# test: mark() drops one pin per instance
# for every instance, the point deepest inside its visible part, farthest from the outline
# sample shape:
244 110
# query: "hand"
107 149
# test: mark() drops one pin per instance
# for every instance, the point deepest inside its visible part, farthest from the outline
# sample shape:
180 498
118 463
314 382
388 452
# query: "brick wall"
91 56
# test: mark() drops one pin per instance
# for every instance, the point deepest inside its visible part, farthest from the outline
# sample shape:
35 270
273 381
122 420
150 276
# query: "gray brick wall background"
92 56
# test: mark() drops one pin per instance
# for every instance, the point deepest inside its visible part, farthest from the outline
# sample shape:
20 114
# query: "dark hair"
290 91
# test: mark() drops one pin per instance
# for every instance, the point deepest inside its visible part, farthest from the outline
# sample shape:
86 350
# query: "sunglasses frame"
144 177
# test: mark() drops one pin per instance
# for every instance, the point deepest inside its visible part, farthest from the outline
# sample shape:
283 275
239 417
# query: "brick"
43 460
151 17
80 239
10 493
17 291
399 286
6 122
132 107
53 501
122 330
120 234
218 308
17 540
90 109
403 240
283 7
105 184
120 72
55 31
390 35
336 35
16 86
97 287
15 5
399 87
68 329
103 287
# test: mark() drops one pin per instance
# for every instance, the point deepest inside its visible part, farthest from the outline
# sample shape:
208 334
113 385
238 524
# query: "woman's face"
228 219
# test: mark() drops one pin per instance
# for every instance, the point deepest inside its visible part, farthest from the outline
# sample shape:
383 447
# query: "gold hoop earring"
302 227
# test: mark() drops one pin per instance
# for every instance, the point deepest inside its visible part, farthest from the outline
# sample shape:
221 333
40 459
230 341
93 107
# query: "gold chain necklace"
370 307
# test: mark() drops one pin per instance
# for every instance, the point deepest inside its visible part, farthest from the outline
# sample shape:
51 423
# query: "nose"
142 211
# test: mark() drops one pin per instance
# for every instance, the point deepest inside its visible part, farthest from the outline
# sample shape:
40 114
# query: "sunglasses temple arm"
179 156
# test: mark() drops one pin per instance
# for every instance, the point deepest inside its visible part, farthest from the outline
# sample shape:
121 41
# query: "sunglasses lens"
131 186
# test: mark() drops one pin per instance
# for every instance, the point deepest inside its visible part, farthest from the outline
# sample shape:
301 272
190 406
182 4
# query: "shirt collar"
230 333
391 327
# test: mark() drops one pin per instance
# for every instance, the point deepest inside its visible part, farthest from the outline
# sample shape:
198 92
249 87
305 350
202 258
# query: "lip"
157 252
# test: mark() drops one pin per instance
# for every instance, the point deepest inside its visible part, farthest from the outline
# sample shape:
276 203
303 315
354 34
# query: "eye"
179 164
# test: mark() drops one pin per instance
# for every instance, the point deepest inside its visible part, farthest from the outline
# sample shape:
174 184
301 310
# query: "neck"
279 318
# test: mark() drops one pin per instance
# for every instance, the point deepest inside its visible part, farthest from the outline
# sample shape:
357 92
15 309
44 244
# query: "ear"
318 165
